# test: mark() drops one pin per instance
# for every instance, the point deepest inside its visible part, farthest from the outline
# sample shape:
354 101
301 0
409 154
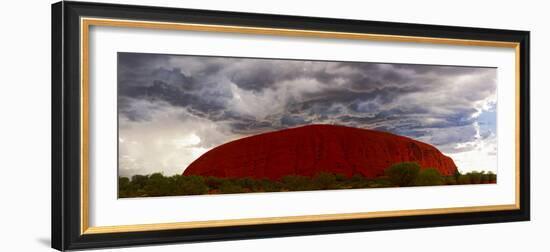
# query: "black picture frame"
66 125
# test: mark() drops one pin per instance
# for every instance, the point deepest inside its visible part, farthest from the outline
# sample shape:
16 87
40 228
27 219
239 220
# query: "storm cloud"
212 100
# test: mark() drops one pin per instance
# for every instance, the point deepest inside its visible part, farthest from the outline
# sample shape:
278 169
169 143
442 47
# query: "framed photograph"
181 125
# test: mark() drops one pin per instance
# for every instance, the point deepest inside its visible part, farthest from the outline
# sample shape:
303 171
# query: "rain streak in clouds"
174 108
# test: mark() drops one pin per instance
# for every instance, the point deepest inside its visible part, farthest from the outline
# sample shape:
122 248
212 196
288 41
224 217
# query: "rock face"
311 149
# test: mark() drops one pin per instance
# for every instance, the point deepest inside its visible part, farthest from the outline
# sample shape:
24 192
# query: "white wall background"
25 125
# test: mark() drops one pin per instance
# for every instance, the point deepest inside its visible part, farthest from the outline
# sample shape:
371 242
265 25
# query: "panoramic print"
195 125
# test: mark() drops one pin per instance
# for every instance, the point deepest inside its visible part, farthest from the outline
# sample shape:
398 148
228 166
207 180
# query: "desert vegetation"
398 175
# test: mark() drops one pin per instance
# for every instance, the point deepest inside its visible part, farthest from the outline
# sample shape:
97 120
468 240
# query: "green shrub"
248 184
158 185
457 174
267 185
358 181
124 187
297 183
123 182
450 180
214 182
429 177
340 177
484 178
380 182
324 180
491 177
229 186
191 185
140 180
403 174
475 177
464 179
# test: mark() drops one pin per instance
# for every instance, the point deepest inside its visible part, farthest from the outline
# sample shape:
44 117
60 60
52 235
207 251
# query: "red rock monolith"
311 149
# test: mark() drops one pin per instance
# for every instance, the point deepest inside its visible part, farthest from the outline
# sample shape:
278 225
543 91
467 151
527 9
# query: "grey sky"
173 108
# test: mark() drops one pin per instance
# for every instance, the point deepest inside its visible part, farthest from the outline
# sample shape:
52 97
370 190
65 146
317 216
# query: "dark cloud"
433 103
262 74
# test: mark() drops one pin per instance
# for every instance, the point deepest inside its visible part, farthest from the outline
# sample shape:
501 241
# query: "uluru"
311 149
